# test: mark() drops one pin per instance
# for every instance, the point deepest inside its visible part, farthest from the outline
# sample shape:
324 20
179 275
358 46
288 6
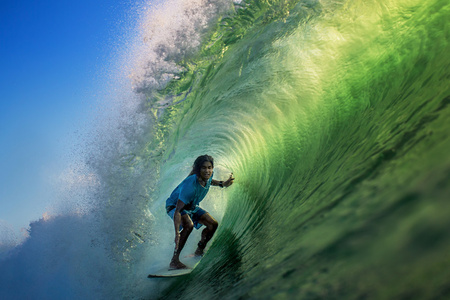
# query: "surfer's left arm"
226 183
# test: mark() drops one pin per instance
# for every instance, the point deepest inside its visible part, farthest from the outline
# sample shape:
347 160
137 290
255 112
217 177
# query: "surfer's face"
206 170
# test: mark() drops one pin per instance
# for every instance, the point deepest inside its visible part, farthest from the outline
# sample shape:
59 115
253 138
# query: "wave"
332 117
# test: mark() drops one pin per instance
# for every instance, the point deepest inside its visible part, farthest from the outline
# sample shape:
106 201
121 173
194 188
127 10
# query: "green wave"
333 117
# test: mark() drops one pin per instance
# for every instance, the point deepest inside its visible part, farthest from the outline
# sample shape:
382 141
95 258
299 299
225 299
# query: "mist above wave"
170 33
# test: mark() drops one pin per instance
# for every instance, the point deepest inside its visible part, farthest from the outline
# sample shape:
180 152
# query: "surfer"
182 207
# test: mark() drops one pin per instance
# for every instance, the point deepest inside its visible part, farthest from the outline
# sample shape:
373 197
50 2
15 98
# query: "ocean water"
332 115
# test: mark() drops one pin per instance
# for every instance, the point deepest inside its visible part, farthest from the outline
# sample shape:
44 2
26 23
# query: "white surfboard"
165 273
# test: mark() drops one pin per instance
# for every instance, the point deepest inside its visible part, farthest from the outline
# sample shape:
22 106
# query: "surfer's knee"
210 222
188 226
187 223
213 225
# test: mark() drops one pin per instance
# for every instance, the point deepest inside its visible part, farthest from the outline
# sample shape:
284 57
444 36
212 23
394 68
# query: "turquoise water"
333 117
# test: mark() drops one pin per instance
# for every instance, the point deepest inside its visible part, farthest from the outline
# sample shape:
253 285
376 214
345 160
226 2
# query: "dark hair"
198 163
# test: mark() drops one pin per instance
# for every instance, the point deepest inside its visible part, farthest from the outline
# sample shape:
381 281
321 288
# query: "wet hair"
198 163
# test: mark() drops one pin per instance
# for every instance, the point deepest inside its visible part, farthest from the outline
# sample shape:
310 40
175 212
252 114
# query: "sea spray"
99 243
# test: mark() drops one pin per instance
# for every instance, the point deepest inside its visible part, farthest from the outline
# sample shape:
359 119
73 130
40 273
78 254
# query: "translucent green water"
334 118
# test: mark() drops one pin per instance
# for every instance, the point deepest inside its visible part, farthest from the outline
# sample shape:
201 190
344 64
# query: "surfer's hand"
229 181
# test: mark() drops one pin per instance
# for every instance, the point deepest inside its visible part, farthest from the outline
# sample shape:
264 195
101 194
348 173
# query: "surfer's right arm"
177 222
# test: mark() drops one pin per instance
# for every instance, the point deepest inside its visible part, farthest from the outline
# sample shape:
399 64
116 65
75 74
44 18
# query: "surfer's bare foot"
200 249
199 252
177 265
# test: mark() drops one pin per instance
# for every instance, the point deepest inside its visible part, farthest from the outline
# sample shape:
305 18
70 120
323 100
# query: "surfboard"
165 272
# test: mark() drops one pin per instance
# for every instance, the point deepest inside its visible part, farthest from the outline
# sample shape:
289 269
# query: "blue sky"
51 54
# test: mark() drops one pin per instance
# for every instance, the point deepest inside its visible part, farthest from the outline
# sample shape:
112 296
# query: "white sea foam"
170 33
